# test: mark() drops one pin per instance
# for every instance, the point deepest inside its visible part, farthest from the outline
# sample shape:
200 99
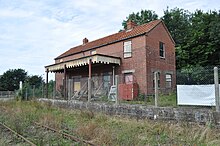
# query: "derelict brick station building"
134 54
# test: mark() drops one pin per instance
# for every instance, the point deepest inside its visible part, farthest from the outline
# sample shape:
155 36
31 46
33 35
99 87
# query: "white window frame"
162 50
168 78
127 49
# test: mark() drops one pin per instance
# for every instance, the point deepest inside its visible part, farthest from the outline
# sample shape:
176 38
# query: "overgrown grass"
104 130
163 100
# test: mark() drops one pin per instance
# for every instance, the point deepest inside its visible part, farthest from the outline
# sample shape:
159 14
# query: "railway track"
9 130
21 139
65 135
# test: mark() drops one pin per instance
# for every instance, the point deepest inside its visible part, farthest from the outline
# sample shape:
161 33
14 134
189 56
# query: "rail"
17 134
65 135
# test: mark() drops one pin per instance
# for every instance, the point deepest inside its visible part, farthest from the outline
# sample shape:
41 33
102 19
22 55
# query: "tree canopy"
197 34
140 18
10 79
34 80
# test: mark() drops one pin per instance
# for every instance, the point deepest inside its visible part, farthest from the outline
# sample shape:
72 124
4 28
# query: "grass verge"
104 130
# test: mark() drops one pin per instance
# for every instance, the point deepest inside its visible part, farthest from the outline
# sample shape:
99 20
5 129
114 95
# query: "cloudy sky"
34 32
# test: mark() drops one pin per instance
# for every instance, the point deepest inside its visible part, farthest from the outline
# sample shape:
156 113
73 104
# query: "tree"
140 18
214 36
178 22
204 39
34 80
197 35
10 80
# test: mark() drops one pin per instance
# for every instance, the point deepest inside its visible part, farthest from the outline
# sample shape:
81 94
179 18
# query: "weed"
102 129
88 115
87 131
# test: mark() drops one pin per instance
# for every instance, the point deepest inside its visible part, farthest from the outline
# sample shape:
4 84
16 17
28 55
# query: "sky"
34 32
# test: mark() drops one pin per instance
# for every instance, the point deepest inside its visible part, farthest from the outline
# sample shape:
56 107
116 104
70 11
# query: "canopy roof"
96 58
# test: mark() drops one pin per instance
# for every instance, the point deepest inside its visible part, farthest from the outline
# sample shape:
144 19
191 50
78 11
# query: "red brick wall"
136 62
144 61
155 62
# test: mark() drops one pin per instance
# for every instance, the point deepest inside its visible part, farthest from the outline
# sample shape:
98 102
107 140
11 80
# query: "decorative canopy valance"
96 58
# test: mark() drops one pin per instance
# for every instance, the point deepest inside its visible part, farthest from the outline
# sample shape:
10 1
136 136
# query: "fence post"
156 88
42 89
116 94
33 91
89 90
26 94
47 83
216 88
54 90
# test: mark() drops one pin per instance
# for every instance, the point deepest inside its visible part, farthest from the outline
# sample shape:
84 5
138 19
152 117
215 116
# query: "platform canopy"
96 58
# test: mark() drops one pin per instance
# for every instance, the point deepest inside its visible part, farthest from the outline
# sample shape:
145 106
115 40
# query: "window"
106 81
162 50
168 81
127 49
128 78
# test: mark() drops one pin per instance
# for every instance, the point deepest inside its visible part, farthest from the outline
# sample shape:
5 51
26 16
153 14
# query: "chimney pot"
130 24
85 40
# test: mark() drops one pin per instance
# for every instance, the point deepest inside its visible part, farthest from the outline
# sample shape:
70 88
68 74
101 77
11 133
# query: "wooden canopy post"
47 71
64 83
113 75
89 81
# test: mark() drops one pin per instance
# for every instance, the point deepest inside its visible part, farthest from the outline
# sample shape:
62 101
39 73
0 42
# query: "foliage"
197 34
10 79
33 85
32 91
51 85
35 80
195 75
163 100
99 128
178 23
140 18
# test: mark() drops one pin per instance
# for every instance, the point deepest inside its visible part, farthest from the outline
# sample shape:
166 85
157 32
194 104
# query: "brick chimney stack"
130 24
85 40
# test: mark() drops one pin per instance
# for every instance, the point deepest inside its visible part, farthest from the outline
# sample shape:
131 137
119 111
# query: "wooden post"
33 91
89 81
156 88
64 82
46 84
113 75
216 89
43 89
26 94
116 94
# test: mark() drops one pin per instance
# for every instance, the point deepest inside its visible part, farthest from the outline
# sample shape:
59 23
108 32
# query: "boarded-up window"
128 78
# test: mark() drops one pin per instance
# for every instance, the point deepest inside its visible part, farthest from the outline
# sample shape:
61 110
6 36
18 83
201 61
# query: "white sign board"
196 95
